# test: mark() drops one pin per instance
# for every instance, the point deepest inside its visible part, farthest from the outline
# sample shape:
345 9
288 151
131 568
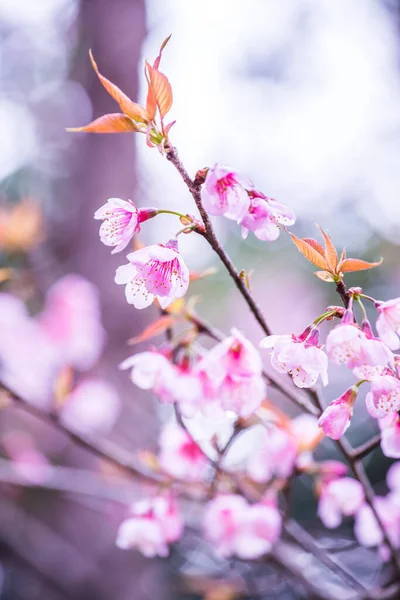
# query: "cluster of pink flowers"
341 496
301 356
158 272
227 378
153 525
236 528
229 194
67 335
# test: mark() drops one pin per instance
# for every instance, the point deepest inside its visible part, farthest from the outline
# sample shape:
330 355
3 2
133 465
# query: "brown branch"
364 449
102 448
343 293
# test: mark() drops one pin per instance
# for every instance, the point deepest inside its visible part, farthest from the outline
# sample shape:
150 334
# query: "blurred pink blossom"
121 221
388 322
338 498
71 319
154 524
231 375
92 407
154 272
179 455
367 529
224 193
304 360
236 528
276 457
29 362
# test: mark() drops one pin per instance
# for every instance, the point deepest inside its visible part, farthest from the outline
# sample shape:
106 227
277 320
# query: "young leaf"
309 252
350 265
157 61
161 88
324 276
330 251
112 123
159 326
316 245
130 108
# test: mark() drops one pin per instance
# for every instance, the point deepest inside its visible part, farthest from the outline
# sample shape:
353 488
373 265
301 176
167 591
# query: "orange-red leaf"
112 123
130 108
309 252
161 88
156 63
324 276
159 326
350 265
316 245
330 251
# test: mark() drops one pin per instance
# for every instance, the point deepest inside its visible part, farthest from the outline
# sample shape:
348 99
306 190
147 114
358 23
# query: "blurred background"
301 96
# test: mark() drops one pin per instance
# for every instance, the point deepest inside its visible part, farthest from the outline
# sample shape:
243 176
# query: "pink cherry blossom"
72 321
236 528
29 361
92 407
231 376
154 524
390 435
367 530
225 193
384 396
179 455
155 272
170 383
337 416
388 322
121 221
304 360
340 497
275 457
264 217
366 355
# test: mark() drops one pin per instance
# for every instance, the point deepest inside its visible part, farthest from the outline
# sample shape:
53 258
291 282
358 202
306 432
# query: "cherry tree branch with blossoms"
219 397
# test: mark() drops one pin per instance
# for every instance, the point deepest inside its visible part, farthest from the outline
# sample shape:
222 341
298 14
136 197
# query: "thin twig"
102 448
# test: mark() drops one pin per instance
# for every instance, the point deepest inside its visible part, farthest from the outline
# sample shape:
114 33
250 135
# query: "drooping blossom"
274 457
264 217
384 396
92 407
236 528
338 498
356 348
390 435
231 375
302 358
388 322
179 455
154 272
155 523
337 416
72 321
121 221
368 531
169 382
225 193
